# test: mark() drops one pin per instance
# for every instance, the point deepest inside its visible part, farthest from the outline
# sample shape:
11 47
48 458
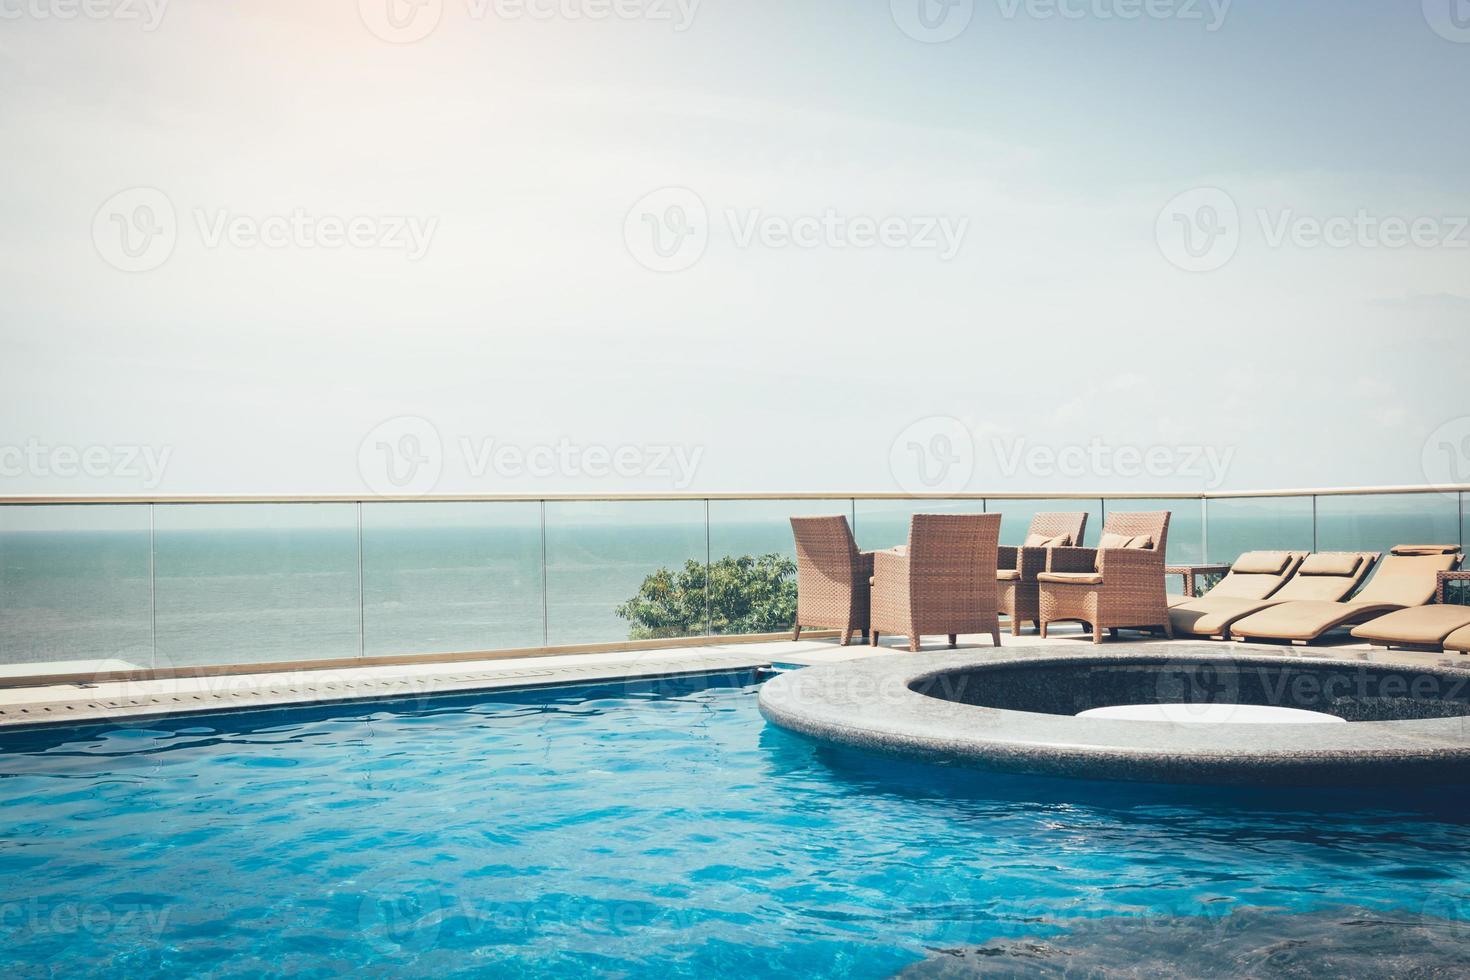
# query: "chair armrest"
1006 557
890 562
865 564
1032 562
1071 559
1116 564
890 573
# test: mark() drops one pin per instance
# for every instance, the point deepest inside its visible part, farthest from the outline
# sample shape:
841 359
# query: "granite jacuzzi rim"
870 705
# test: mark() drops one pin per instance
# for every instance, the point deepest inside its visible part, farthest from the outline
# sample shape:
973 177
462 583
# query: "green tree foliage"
746 595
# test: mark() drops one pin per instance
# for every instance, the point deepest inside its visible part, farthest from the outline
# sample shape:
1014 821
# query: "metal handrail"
338 498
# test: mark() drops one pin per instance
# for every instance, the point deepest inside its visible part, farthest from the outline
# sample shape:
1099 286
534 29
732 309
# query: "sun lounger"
1255 576
1405 578
1328 576
1458 641
1417 626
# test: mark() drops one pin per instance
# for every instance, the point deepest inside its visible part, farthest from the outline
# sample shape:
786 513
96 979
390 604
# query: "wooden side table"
1443 579
1189 572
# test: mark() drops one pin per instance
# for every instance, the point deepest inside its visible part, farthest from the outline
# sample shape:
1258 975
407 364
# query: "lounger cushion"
1042 541
1331 564
1425 549
1261 563
1458 641
1328 588
1420 626
1007 575
1406 580
1211 615
1306 620
1238 586
1071 578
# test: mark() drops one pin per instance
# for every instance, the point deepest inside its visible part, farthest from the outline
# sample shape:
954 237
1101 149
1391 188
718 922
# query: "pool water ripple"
649 829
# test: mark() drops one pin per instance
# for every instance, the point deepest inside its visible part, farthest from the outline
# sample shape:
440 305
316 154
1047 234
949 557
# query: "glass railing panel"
256 583
1016 516
1241 524
448 577
1377 522
1186 527
74 589
753 561
885 523
619 570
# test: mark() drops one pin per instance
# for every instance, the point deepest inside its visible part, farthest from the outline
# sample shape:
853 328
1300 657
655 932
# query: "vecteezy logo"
932 21
667 230
408 922
402 456
1446 454
135 230
1205 690
1199 231
401 21
934 455
1450 19
1445 914
938 910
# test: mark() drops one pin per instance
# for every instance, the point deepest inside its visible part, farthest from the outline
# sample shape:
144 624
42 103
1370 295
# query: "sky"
525 246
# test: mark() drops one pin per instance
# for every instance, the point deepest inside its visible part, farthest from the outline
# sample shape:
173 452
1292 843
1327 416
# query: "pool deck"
23 706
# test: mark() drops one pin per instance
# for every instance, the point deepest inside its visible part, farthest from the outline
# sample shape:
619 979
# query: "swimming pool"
650 829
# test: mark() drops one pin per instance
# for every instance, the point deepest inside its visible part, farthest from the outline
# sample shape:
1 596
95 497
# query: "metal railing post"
361 591
545 615
153 585
1314 522
1204 528
709 620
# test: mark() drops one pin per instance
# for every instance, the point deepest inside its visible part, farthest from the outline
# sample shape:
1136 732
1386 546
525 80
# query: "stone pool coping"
869 705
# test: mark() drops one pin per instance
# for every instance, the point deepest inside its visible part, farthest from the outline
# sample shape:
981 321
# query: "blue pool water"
648 829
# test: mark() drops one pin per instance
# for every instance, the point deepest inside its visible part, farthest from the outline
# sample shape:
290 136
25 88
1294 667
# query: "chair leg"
952 638
845 639
1041 628
1015 626
1097 633
795 633
913 644
1169 629
873 638
995 636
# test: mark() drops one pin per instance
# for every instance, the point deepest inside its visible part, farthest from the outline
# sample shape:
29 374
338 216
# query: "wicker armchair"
1118 584
1020 597
831 577
943 582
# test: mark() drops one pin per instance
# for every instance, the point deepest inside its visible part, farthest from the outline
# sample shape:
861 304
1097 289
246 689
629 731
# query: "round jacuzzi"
1197 713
